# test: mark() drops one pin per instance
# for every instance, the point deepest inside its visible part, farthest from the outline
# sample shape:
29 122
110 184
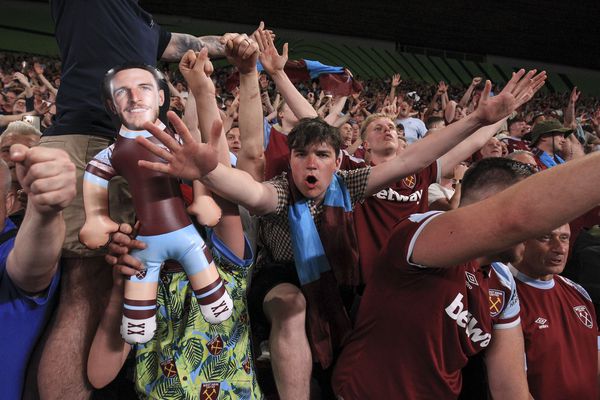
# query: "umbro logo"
542 323
471 279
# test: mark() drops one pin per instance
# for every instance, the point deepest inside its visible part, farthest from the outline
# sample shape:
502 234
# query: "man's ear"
9 201
161 97
366 145
338 160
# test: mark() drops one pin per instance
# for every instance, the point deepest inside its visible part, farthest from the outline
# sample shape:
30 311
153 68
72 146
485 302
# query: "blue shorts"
184 245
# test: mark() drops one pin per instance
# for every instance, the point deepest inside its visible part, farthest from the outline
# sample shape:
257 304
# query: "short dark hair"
431 121
514 120
107 98
493 172
110 74
314 131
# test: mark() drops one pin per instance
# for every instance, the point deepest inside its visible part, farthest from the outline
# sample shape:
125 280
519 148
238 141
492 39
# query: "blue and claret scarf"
325 260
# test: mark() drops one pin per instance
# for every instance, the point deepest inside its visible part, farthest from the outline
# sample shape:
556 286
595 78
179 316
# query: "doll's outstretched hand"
206 210
97 231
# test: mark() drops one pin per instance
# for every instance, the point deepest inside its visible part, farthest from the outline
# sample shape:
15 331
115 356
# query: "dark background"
560 32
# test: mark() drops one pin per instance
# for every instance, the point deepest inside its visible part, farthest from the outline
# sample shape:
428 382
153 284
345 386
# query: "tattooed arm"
182 42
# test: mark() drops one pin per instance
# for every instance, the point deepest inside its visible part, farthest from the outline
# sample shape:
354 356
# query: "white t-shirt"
414 129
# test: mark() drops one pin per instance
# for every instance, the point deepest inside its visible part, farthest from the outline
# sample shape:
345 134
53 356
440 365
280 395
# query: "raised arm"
443 86
570 121
425 151
194 160
477 140
180 43
215 45
450 111
204 207
395 83
243 53
489 226
48 178
197 71
464 149
335 110
274 63
464 101
434 101
172 89
190 117
39 71
25 83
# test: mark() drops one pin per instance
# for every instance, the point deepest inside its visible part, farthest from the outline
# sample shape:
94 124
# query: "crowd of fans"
391 224
30 82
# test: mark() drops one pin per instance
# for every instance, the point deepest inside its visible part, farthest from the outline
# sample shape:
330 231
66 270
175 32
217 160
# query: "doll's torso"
156 196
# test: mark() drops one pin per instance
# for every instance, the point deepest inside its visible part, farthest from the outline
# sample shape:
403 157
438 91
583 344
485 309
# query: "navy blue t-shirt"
94 36
22 318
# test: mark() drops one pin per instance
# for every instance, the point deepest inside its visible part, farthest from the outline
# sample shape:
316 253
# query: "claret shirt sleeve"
504 300
100 170
405 235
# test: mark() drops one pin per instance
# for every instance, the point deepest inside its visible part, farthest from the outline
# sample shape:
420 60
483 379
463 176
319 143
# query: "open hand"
519 90
574 95
269 57
190 160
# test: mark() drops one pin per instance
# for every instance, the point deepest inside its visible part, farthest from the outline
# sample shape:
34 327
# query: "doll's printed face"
136 97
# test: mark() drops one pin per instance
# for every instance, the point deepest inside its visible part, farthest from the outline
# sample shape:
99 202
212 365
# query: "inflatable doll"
135 93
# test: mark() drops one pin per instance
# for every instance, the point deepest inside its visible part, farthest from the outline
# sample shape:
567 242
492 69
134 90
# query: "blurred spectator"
414 128
547 140
493 148
25 134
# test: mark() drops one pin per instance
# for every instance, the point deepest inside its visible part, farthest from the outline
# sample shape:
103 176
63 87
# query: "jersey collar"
129 134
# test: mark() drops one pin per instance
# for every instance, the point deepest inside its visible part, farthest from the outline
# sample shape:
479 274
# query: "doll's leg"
139 305
215 303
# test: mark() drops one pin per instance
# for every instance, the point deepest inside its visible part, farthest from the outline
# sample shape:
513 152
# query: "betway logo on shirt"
391 195
465 320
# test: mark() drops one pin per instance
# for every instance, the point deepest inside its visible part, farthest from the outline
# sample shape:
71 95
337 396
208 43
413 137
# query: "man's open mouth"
311 180
556 260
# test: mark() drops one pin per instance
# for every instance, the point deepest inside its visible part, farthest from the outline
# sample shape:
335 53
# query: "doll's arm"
204 207
98 226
